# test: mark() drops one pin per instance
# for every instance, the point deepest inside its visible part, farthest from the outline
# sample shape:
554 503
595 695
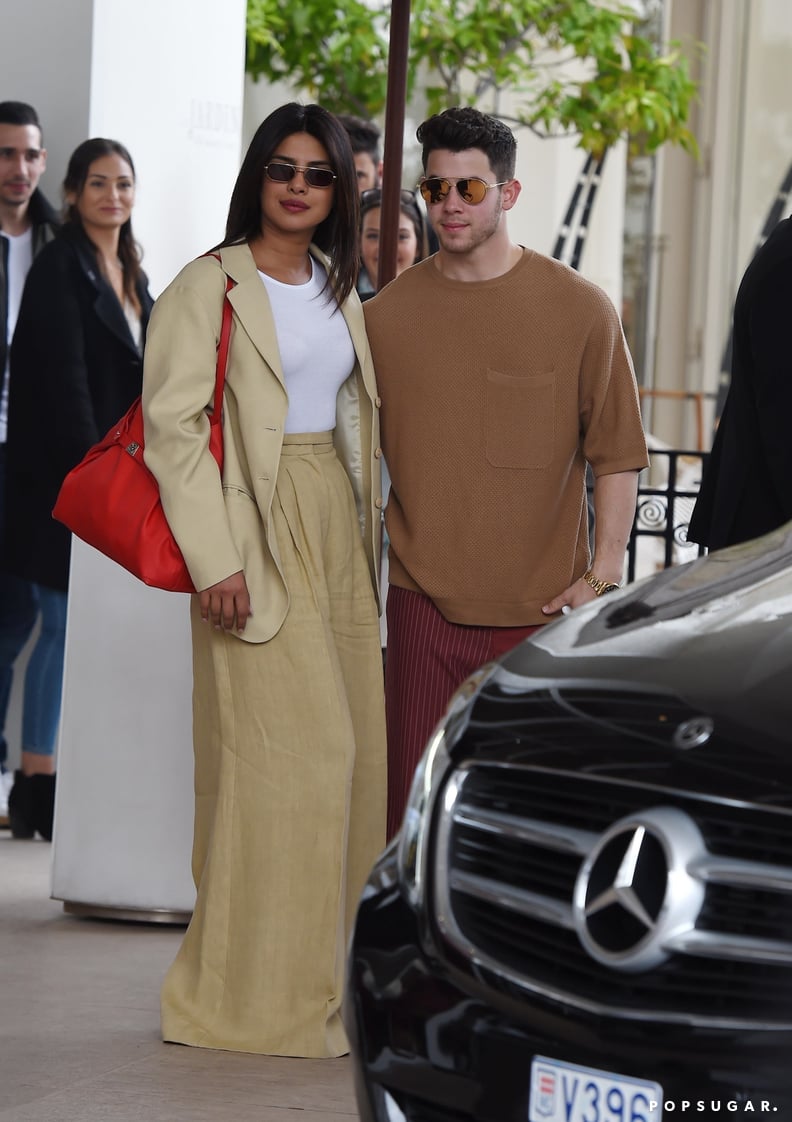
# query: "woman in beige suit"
288 708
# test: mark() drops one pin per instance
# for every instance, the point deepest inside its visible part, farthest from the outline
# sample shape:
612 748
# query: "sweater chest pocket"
520 420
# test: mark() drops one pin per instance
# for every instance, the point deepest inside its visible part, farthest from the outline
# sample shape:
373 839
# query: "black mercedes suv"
587 914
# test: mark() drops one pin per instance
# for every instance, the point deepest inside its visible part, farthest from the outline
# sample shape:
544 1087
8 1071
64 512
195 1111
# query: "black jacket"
75 370
747 487
45 225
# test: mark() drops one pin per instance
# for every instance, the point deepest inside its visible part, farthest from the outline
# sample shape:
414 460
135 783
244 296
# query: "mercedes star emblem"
634 893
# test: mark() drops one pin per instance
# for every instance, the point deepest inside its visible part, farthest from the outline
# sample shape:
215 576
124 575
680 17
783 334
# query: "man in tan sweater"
502 374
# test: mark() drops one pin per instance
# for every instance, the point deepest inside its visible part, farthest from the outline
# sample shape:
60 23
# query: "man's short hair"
18 113
463 127
364 136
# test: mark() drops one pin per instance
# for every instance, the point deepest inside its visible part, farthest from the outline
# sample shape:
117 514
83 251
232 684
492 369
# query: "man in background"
27 222
364 136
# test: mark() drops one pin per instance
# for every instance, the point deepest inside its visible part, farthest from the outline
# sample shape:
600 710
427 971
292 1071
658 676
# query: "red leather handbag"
111 500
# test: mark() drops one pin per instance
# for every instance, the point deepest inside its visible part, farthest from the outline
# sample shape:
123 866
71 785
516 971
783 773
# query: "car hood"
694 663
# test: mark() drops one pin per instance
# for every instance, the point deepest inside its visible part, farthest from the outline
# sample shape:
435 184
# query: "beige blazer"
225 525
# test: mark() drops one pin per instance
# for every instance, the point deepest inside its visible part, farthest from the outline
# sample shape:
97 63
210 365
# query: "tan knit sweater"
494 396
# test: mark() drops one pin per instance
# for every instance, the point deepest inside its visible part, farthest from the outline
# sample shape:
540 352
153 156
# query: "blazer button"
378 452
379 503
378 402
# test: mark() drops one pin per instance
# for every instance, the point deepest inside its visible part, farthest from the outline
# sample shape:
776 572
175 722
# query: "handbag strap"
222 350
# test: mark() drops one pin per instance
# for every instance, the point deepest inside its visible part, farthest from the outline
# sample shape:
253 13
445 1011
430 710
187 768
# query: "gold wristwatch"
599 586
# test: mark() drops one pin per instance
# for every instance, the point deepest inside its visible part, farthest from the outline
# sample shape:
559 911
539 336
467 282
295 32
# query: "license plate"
569 1093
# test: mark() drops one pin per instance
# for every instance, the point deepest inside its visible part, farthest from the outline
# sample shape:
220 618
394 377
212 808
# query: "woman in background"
412 245
283 546
76 367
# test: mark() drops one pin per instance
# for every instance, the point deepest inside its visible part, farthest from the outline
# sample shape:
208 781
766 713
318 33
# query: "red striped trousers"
428 658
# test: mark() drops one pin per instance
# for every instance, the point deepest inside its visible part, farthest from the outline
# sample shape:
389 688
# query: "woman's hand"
226 604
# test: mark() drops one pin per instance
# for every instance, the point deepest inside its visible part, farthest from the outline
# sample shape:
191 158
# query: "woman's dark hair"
409 207
463 127
337 236
83 156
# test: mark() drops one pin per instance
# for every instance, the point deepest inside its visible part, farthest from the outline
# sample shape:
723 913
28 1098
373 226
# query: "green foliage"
336 51
577 67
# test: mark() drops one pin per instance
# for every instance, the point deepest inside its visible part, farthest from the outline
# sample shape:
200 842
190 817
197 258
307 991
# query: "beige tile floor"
79 1025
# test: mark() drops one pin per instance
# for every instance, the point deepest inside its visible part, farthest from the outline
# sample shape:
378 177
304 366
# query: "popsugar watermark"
714 1106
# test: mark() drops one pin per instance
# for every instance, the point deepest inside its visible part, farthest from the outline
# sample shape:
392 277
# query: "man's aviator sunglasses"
314 177
471 190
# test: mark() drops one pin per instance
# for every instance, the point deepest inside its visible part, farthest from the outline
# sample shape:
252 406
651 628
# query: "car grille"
421 1110
511 843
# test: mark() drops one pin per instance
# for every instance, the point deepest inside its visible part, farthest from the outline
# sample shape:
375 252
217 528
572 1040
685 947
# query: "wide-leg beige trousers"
290 775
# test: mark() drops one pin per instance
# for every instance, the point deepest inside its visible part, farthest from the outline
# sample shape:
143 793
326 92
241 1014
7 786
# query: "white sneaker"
6 783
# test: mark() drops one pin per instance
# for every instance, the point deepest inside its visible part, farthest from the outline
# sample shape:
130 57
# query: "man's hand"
572 597
615 497
226 605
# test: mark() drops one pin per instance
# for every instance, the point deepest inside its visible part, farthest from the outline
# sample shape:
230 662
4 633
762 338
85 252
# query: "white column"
165 77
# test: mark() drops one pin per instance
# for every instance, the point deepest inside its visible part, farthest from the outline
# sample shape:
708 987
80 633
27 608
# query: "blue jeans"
44 676
19 607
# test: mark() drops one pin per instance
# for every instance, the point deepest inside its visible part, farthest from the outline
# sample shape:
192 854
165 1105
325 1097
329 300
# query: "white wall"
548 171
46 61
766 136
711 214
173 96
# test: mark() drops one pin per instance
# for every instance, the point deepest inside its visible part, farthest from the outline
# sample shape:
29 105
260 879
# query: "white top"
133 320
316 351
20 258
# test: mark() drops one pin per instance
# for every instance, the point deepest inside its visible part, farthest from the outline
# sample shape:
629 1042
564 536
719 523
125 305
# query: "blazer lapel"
249 301
254 313
110 312
107 308
353 314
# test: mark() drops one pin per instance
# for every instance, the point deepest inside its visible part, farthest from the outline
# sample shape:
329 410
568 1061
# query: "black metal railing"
667 493
666 498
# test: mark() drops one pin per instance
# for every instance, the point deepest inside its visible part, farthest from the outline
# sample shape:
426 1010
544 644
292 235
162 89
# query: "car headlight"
428 775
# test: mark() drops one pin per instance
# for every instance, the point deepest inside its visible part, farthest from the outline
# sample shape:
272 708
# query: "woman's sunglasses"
314 177
471 190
